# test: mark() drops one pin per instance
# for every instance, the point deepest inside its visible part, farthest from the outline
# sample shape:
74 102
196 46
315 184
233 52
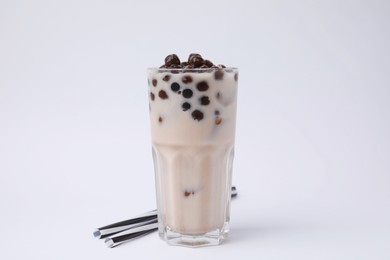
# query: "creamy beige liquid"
193 151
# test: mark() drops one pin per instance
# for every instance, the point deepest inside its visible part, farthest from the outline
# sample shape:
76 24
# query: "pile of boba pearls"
195 63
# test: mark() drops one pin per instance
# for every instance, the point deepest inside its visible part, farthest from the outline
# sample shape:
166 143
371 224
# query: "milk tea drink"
193 118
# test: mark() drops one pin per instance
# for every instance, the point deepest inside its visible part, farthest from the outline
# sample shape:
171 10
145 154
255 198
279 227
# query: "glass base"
212 238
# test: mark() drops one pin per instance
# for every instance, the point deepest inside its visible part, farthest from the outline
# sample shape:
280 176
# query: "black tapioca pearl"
208 63
204 100
202 86
192 55
186 79
154 82
151 96
179 92
236 76
175 87
188 193
218 74
218 120
162 94
166 77
196 60
186 106
175 66
171 60
187 93
197 115
217 113
184 63
160 119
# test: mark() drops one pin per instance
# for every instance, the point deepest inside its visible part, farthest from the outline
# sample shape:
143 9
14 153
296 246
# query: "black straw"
127 230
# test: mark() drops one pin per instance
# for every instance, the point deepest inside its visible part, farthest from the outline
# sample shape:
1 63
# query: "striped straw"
111 229
130 234
128 230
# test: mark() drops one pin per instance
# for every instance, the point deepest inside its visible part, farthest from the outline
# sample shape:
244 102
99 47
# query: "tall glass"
193 119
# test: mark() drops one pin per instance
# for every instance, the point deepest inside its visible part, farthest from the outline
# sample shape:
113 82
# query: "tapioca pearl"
162 94
197 115
196 60
179 92
151 96
154 82
218 74
166 77
218 120
236 76
172 60
175 87
186 79
208 63
186 106
191 55
160 119
202 86
187 93
204 100
187 193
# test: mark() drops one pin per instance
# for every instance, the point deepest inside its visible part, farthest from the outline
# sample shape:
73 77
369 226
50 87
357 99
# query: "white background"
312 161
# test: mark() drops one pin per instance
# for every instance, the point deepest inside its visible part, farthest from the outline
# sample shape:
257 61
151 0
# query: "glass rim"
227 69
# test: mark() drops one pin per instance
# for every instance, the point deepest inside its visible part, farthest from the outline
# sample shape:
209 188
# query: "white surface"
312 153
